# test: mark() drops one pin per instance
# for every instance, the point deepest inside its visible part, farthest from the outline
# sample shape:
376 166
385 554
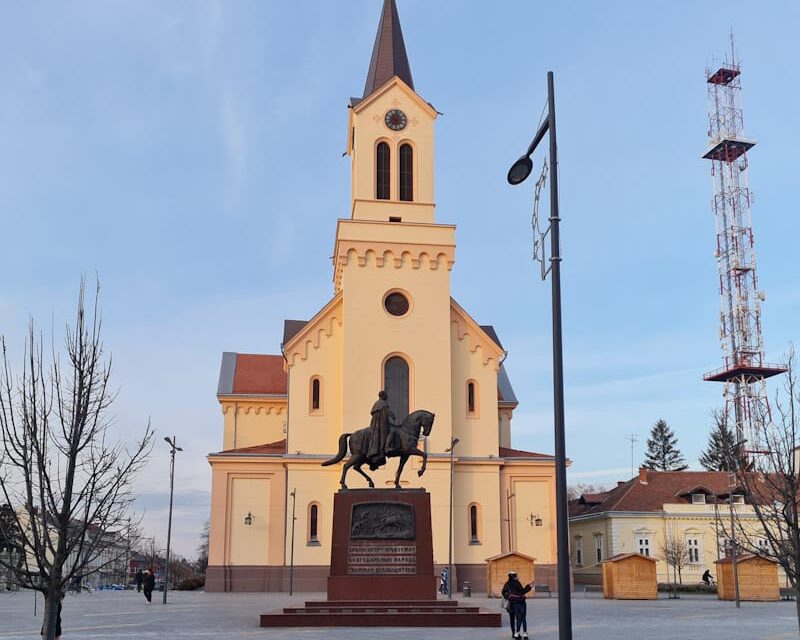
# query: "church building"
391 323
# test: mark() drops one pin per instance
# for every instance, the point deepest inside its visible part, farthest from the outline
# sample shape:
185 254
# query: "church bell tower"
391 261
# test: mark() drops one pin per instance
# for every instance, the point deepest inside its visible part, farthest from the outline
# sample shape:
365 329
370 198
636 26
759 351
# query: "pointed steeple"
389 57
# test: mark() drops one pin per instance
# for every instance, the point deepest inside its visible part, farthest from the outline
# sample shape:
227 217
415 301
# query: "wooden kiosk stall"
630 576
498 567
758 578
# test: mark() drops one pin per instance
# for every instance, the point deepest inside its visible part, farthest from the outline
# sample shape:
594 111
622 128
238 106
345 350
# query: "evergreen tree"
662 450
717 456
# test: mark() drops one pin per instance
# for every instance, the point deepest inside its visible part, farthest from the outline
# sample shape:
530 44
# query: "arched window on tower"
313 520
395 382
474 524
472 406
383 173
316 393
406 172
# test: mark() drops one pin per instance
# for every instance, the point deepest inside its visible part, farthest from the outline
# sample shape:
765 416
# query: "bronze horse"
405 436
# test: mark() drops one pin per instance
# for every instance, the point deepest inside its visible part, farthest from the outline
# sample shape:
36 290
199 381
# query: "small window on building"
315 394
473 524
406 173
395 219
644 546
693 550
382 171
471 397
738 498
578 551
698 498
598 548
313 520
763 546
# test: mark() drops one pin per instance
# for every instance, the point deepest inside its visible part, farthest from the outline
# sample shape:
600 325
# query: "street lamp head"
167 440
178 449
520 170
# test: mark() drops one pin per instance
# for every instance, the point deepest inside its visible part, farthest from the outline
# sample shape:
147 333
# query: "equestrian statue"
383 439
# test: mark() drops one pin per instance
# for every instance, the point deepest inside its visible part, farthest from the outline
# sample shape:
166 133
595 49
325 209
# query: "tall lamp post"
172 449
450 450
732 469
519 171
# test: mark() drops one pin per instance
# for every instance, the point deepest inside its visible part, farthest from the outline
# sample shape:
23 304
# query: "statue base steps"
382 571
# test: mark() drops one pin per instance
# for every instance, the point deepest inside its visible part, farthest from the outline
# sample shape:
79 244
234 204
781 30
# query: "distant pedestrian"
138 578
514 592
443 582
148 583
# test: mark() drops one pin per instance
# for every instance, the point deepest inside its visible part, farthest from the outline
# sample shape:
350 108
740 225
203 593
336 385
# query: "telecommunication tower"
744 371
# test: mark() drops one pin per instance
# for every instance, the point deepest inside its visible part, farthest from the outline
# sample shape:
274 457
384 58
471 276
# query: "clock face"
395 119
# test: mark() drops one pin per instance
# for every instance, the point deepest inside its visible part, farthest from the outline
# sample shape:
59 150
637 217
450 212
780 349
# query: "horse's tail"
342 450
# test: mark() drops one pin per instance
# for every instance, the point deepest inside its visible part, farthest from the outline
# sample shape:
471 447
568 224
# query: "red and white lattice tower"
744 371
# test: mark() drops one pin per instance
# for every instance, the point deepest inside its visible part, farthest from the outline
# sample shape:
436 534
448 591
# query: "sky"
189 154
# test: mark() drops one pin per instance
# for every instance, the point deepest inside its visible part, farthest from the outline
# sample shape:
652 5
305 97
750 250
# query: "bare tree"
769 483
202 550
68 485
575 491
673 548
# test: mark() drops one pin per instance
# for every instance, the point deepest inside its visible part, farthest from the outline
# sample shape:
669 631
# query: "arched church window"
406 172
473 524
471 397
382 171
315 394
313 519
395 382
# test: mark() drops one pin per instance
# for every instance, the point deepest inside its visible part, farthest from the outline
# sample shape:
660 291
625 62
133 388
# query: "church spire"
389 57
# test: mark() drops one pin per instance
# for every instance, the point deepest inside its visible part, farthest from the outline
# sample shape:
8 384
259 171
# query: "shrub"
191 584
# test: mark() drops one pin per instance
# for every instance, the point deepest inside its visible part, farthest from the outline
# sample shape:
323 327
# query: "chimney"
642 475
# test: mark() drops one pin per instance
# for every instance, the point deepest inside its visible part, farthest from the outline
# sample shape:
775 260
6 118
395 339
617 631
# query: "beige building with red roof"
646 513
391 324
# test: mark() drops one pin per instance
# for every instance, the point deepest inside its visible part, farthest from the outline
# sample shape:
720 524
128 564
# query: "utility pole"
173 449
450 450
633 439
291 554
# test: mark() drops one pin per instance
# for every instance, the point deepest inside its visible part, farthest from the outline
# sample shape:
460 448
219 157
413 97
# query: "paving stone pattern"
235 615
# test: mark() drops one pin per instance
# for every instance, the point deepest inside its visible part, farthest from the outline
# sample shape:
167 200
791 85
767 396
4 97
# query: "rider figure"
382 419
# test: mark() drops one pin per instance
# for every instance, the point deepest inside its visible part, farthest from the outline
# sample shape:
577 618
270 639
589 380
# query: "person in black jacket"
514 592
149 585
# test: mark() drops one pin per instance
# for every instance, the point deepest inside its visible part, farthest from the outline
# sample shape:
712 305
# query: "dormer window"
738 498
698 498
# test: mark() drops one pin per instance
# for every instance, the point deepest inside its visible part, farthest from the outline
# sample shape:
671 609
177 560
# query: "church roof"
507 452
278 447
251 374
291 328
389 57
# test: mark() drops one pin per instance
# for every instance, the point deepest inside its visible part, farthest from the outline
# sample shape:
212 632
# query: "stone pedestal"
381 547
382 571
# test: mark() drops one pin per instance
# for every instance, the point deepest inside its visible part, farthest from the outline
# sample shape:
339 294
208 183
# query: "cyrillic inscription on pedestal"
381 559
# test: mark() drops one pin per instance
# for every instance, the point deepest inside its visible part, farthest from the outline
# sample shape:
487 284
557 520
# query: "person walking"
148 583
137 579
443 582
514 592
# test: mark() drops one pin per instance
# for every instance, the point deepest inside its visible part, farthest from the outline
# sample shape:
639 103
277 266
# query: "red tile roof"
659 488
259 374
506 452
272 447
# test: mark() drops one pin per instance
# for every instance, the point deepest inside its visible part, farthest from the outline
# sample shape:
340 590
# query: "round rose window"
396 304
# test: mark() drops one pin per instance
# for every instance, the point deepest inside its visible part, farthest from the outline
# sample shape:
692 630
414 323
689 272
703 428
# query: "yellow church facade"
391 324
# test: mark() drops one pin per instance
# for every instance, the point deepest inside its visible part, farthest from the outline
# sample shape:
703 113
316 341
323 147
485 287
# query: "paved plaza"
229 616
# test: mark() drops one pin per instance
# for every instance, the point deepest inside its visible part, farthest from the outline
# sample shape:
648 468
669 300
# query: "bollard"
466 589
